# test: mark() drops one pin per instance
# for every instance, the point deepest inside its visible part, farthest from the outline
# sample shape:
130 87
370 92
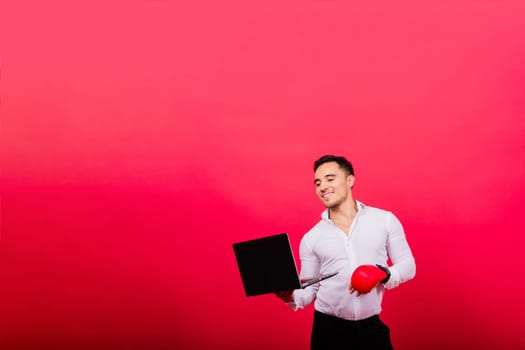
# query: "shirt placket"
352 258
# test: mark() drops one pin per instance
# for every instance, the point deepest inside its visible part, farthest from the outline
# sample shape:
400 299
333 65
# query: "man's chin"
330 205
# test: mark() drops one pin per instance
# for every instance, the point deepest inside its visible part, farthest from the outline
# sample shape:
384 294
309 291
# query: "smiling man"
356 241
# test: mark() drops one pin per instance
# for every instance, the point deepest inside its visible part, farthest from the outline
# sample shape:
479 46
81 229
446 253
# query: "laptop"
267 265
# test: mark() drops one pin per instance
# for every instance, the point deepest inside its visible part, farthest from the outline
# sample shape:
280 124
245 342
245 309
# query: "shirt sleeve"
403 266
310 268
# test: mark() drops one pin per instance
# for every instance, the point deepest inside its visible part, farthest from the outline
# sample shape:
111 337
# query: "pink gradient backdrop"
140 139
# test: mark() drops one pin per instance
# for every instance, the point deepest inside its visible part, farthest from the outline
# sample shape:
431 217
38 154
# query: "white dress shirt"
374 236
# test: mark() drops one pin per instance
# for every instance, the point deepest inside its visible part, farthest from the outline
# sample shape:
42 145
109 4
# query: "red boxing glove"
366 277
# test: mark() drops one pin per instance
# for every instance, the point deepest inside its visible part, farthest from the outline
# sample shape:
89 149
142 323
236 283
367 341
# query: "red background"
140 139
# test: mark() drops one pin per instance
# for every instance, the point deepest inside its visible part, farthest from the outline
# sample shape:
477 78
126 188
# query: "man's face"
332 184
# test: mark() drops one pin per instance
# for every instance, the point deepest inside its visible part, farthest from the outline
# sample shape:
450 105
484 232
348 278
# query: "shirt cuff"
393 281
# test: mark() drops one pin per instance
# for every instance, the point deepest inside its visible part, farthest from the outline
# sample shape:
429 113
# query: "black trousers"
330 332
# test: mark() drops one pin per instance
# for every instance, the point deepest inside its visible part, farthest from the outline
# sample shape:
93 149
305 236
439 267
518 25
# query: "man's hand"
285 295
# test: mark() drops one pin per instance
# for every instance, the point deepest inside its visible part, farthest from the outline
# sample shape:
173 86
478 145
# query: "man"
356 241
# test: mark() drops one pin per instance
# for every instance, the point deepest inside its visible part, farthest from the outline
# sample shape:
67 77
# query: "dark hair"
341 161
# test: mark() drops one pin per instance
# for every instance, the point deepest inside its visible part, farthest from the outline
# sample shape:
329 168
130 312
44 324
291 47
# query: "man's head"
333 179
343 163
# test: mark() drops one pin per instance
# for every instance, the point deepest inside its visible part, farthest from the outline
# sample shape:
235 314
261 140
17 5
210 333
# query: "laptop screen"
266 265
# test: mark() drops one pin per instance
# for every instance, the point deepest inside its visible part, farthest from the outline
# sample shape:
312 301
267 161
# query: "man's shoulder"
374 214
375 210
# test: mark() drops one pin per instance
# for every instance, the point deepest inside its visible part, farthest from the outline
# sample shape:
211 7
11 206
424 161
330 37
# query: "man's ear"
350 181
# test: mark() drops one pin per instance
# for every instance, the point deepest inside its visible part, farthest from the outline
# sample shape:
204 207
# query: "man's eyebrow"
327 175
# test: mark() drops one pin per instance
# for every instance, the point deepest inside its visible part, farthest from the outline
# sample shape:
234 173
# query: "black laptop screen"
266 265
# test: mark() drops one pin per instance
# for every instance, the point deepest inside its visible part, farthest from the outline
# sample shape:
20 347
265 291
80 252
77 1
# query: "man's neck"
344 213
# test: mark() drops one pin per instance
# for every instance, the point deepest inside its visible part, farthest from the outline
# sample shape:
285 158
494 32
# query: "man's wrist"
387 271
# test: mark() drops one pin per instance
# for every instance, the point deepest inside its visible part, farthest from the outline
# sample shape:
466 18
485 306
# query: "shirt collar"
324 214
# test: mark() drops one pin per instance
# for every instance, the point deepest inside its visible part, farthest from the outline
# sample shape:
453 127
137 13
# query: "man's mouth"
327 195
